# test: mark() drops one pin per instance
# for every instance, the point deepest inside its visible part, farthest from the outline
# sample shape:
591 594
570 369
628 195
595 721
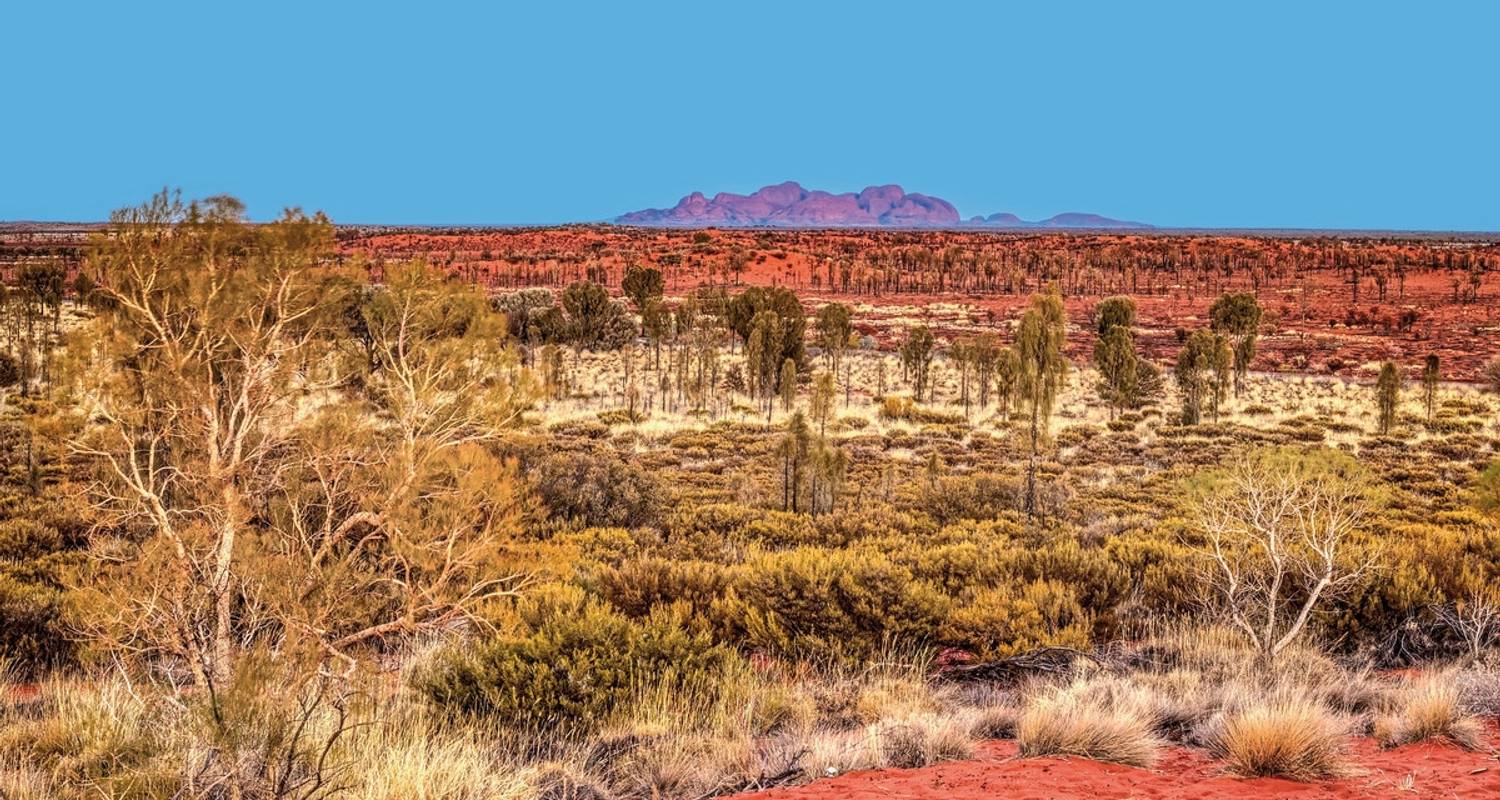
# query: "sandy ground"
1424 770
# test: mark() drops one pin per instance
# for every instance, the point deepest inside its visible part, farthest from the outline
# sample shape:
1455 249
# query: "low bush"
1429 707
1078 720
1290 737
844 605
573 663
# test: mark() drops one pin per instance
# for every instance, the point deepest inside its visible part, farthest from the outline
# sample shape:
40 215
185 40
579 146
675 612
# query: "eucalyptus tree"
1203 375
1237 317
1432 374
916 359
1114 353
1388 395
1041 369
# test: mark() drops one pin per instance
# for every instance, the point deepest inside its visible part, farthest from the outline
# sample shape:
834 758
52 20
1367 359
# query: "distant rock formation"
788 205
1070 219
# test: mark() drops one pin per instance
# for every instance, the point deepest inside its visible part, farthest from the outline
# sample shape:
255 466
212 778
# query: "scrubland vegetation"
282 524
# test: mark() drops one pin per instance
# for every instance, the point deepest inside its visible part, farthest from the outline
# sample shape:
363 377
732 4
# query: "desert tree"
986 355
794 449
255 489
834 325
762 348
829 469
641 284
656 324
531 315
1007 370
1114 352
1203 374
1280 530
593 321
962 353
740 314
1236 316
1118 311
1388 395
820 402
1041 369
1115 358
786 385
1432 375
916 359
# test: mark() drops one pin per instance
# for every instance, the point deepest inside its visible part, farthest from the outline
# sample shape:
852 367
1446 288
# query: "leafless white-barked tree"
1278 526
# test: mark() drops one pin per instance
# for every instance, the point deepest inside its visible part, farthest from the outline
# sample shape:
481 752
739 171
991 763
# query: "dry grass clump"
924 739
1479 686
994 721
100 734
1082 719
1290 737
828 753
22 781
396 761
1429 707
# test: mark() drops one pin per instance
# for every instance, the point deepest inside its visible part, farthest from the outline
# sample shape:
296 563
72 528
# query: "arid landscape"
750 401
603 512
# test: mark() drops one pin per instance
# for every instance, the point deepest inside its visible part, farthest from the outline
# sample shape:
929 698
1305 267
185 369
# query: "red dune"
1425 770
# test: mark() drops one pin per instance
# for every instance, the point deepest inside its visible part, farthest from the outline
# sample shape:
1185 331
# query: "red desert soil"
1313 322
1425 770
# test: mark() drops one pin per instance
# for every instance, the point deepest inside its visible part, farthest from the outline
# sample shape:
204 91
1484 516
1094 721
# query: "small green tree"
1114 352
1113 312
656 323
762 358
1388 395
830 467
1114 357
1042 367
794 450
641 284
916 359
821 403
1203 369
986 356
834 325
1431 375
787 386
1237 317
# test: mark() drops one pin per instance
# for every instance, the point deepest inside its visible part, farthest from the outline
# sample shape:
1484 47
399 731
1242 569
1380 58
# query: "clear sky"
1256 114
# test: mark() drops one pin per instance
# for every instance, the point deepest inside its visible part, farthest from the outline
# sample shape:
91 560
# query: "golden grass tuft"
1429 707
406 762
1079 720
1290 737
924 739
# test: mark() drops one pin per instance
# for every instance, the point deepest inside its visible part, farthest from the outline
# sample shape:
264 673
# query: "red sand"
1321 330
1425 770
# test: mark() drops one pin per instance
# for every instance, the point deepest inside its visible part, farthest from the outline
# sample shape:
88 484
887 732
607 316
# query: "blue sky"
1257 114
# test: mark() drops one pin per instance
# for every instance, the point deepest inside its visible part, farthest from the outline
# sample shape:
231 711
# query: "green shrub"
1004 620
595 488
640 586
575 661
829 604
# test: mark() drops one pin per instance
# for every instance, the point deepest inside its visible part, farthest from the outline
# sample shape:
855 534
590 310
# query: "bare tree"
258 487
1278 527
1476 620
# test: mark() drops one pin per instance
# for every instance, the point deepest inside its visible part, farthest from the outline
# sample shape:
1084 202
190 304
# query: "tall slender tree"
1042 368
916 359
1237 317
1388 395
1431 375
